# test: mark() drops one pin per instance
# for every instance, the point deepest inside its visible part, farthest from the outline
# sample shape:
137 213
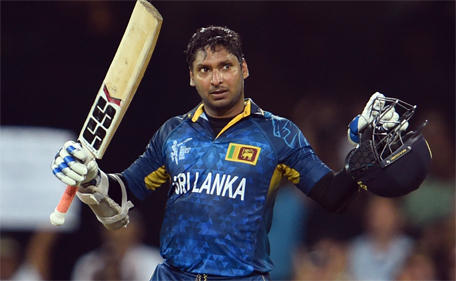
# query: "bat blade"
122 79
117 90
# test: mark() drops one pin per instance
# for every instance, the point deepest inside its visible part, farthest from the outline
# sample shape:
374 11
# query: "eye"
204 69
227 66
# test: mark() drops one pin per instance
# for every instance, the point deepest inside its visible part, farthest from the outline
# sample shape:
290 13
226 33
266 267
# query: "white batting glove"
372 110
74 165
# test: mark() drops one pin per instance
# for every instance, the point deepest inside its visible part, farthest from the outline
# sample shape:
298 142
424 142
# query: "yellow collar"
244 113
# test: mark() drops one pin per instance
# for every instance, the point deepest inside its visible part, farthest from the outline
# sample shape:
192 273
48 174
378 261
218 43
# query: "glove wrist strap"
97 189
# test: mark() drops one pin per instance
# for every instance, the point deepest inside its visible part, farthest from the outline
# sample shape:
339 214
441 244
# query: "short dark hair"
213 36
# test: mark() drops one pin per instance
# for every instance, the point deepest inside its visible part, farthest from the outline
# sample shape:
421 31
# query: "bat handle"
58 216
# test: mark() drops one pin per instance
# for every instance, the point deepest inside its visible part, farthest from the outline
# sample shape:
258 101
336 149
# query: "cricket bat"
117 90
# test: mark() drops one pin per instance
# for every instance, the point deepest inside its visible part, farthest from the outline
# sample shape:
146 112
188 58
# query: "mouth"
219 93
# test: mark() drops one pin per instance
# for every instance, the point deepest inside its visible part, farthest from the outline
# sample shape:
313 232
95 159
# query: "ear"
245 69
192 80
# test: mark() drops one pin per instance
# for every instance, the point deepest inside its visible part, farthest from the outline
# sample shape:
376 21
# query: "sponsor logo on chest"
220 185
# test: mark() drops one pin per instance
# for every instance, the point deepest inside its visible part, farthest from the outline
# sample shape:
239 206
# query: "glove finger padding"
92 167
386 116
373 107
77 151
391 120
64 173
74 165
360 122
85 157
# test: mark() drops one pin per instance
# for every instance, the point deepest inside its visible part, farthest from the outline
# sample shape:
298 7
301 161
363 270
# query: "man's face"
219 79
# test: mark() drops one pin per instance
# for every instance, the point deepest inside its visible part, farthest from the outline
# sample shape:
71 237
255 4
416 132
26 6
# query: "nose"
217 77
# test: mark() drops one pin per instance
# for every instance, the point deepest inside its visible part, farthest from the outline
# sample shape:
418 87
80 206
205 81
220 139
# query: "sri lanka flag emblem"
243 153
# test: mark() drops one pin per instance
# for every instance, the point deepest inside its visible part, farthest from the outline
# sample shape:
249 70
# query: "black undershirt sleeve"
115 191
334 191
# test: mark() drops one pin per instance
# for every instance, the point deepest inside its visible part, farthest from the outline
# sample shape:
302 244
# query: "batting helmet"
390 163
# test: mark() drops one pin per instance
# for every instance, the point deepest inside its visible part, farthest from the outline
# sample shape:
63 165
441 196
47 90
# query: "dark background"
55 54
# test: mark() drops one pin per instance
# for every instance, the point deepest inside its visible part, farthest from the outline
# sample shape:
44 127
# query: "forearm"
95 194
335 191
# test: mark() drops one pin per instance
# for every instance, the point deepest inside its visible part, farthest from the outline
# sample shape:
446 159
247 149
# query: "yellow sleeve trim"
292 175
155 179
282 170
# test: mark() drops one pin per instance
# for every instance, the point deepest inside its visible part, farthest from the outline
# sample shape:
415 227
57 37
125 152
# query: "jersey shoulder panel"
293 150
283 133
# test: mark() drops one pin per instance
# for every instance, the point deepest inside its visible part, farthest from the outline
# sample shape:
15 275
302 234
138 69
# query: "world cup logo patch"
243 153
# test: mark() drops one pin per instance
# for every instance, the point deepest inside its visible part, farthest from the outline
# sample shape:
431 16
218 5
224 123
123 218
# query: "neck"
228 111
221 113
217 124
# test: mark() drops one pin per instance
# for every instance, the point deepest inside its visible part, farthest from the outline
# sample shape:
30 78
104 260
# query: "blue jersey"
219 207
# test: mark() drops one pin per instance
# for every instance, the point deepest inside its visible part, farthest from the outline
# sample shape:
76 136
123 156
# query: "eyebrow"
223 62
